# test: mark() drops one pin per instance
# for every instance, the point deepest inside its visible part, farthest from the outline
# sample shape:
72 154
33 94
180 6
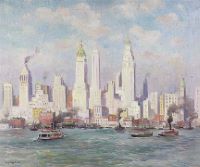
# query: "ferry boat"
50 134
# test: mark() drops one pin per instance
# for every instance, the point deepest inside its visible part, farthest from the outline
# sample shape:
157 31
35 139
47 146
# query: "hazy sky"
165 37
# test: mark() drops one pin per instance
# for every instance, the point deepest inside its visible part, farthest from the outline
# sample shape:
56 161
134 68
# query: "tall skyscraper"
7 99
95 90
80 91
145 88
25 87
59 95
128 74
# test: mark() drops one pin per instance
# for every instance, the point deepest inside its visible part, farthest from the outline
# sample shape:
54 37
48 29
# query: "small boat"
142 133
50 134
188 128
169 133
4 126
34 128
120 128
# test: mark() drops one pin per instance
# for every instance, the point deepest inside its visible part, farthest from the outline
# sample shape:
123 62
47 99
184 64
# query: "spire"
127 41
25 70
81 51
128 48
182 83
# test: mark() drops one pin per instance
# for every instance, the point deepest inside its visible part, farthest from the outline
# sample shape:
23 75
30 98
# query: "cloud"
57 16
151 5
81 17
181 7
169 19
127 9
131 9
146 37
176 41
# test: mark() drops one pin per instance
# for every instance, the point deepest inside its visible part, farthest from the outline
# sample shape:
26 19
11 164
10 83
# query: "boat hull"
142 135
169 133
50 135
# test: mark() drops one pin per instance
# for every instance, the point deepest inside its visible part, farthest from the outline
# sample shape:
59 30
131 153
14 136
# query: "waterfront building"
182 100
25 87
161 107
98 118
40 102
112 121
48 91
69 100
40 99
113 101
95 91
7 99
170 99
146 109
134 110
46 118
59 95
15 100
154 103
197 103
80 90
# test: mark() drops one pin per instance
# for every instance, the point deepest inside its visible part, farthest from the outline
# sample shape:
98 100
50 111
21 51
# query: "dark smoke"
172 109
192 116
28 58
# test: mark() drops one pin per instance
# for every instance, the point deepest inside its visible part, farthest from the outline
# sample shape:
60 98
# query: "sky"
165 37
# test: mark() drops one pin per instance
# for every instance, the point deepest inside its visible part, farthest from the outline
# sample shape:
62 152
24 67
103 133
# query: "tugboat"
171 132
50 134
120 128
33 127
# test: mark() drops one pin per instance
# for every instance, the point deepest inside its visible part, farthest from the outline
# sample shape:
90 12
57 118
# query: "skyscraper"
128 74
95 91
25 87
59 95
80 91
7 99
145 88
182 99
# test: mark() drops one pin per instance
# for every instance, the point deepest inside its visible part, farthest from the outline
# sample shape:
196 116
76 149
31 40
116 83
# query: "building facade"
59 95
81 88
7 99
25 87
95 89
128 75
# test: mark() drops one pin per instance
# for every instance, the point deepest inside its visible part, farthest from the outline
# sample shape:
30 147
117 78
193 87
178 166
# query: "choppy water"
99 148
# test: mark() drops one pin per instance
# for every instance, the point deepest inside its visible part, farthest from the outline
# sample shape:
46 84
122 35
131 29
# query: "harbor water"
99 148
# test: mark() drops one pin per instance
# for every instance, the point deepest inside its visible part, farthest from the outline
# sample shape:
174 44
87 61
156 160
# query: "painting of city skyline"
97 83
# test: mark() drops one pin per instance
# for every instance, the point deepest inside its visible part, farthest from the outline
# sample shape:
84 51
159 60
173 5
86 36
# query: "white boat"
50 134
4 126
